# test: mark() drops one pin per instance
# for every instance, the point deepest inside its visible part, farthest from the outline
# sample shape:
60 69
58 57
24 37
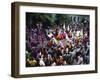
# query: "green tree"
48 19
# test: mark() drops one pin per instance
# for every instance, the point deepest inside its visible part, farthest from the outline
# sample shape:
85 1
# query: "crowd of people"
57 45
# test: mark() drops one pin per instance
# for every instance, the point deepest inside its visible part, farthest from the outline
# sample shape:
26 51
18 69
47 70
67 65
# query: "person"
80 60
41 62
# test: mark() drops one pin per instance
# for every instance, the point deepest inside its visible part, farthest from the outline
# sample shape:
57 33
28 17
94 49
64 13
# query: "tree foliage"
47 18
